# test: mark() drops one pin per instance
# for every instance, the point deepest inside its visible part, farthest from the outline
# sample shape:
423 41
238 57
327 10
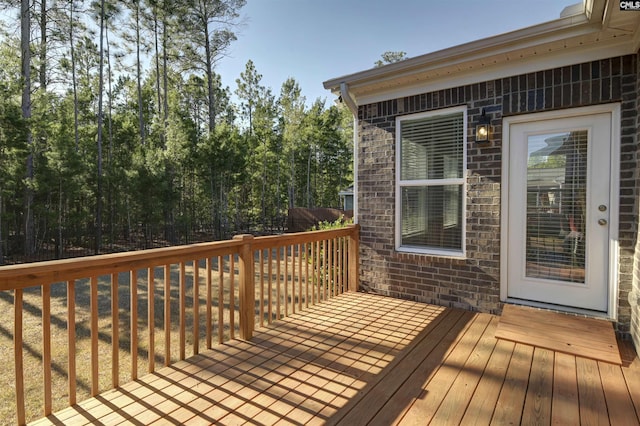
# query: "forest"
117 134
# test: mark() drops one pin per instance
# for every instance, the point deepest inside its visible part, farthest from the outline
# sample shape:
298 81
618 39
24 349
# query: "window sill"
448 254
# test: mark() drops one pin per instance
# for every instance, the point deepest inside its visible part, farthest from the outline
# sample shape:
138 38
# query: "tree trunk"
309 179
157 61
73 77
263 202
139 74
292 182
209 70
110 135
43 45
169 171
278 205
165 78
25 33
213 195
98 222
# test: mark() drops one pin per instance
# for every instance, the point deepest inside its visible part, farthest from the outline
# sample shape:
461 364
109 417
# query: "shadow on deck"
361 359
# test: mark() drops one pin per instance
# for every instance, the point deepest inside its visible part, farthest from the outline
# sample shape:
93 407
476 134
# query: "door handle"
602 222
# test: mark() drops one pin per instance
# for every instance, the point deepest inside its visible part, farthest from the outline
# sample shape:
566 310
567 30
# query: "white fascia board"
493 72
472 56
542 33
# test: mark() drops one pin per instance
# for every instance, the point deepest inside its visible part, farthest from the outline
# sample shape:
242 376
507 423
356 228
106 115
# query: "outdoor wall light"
483 128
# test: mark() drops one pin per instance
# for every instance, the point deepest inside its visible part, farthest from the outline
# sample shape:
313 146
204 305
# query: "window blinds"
432 148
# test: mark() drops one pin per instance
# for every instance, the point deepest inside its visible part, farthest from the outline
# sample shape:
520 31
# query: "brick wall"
474 283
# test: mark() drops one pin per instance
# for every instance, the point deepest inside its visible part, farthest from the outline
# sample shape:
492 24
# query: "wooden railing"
100 313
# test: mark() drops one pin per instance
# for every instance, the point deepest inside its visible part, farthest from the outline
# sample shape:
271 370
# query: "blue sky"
316 40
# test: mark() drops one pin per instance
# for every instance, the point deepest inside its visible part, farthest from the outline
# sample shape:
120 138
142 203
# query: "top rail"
260 243
35 274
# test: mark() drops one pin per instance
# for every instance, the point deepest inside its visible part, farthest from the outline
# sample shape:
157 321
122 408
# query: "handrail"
33 274
259 279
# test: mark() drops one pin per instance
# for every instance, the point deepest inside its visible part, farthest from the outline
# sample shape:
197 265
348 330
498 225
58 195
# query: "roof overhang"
595 29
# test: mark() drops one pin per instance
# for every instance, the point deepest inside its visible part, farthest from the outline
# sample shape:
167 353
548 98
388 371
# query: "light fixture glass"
483 128
482 133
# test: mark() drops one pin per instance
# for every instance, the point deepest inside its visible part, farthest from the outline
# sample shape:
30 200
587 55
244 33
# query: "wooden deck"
365 359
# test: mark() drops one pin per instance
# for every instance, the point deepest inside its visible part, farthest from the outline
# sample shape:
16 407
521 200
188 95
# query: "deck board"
512 395
437 385
483 402
366 359
564 407
593 407
631 374
464 386
382 387
537 408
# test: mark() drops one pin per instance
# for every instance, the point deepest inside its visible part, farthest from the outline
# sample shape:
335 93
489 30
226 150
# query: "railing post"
247 286
354 257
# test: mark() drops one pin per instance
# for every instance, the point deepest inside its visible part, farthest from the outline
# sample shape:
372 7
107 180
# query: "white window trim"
462 181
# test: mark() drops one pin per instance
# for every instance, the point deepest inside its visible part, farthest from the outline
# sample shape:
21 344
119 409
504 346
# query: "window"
430 169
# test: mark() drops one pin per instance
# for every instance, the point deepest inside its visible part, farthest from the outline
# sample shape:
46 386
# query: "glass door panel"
556 206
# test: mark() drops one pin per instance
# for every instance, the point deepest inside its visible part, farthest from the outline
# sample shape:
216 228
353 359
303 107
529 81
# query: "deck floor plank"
383 387
593 407
436 386
619 403
632 374
537 406
394 408
368 359
483 402
564 407
512 395
453 407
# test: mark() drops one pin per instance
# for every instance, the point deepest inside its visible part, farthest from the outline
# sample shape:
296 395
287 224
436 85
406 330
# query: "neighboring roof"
594 29
346 191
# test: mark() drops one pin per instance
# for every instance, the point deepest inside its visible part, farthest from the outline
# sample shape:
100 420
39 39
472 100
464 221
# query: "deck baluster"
18 355
133 284
286 281
208 266
151 318
261 263
196 307
232 297
167 315
220 299
46 346
71 339
115 332
270 287
183 307
278 281
95 379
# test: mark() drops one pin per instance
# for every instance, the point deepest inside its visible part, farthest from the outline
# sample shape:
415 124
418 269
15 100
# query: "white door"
559 210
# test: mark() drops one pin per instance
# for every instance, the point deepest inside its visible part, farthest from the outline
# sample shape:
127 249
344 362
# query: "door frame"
614 200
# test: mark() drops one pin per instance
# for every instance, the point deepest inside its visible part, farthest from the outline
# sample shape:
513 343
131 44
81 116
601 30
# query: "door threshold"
560 308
